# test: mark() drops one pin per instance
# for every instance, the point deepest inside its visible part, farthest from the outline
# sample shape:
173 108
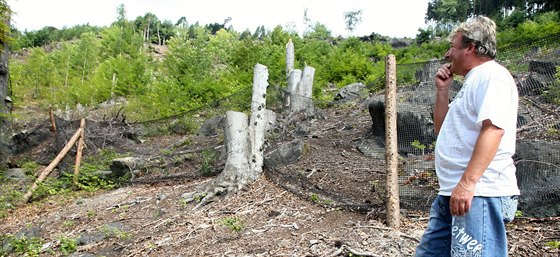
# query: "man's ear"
471 47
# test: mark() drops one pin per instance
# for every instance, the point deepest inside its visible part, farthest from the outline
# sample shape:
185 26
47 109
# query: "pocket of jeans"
509 207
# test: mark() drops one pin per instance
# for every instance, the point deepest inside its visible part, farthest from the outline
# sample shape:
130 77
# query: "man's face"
456 54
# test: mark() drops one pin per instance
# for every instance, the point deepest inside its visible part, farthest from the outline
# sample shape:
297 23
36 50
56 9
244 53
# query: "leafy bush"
68 245
208 157
9 198
25 246
543 25
235 224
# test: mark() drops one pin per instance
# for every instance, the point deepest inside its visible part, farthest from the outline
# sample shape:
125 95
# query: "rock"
286 154
414 123
212 126
351 92
15 174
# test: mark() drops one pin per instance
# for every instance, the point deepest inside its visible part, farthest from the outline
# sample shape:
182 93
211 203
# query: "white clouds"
398 18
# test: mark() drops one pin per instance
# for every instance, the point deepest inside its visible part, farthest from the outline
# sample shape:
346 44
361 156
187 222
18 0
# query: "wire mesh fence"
533 66
537 157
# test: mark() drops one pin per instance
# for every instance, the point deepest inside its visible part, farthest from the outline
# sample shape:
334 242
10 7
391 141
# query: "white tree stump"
244 145
258 119
301 99
290 57
293 81
236 134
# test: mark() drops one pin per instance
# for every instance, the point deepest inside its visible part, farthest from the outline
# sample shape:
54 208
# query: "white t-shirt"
488 92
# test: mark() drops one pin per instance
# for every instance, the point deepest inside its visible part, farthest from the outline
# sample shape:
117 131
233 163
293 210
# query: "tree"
319 32
149 24
306 21
166 30
352 18
543 5
5 100
260 33
443 15
39 69
182 22
214 27
121 16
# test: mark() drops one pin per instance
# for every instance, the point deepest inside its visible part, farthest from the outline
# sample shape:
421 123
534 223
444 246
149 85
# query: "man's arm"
444 78
441 107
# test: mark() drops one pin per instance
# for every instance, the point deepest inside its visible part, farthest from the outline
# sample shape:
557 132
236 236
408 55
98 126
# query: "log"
52 165
79 153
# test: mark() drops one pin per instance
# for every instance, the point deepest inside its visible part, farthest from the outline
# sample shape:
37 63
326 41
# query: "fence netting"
533 65
537 159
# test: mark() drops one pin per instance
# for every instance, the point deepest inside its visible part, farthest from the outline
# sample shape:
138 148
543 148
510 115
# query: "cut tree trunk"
292 76
237 170
301 103
244 145
258 120
293 81
290 57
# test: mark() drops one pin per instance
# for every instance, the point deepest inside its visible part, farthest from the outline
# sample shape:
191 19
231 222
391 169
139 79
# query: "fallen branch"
346 248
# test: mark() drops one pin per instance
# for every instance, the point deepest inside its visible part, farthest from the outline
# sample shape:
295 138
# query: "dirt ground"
329 203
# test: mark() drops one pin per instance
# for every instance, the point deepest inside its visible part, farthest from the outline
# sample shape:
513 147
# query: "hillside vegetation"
178 68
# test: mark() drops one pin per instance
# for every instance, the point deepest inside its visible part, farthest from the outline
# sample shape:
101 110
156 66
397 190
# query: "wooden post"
79 153
51 166
391 155
53 122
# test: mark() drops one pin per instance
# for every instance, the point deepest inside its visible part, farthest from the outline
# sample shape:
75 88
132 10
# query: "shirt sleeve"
494 102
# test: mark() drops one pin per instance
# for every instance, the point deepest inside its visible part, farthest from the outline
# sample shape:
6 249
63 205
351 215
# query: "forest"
87 65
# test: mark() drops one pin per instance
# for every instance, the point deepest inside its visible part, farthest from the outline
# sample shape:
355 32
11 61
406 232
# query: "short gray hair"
481 31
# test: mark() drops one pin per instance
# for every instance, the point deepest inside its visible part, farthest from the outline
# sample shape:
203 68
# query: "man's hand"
461 199
444 77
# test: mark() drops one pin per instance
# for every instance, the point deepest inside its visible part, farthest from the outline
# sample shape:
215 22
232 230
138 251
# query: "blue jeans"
479 233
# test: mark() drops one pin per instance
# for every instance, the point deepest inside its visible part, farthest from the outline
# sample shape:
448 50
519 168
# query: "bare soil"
329 203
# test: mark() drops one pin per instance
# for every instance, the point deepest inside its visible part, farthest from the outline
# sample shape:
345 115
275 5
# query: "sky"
393 18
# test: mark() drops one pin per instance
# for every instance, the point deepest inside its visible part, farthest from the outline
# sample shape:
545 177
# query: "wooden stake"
391 150
51 166
53 123
79 153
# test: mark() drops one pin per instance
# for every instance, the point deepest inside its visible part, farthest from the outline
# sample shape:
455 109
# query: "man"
476 141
